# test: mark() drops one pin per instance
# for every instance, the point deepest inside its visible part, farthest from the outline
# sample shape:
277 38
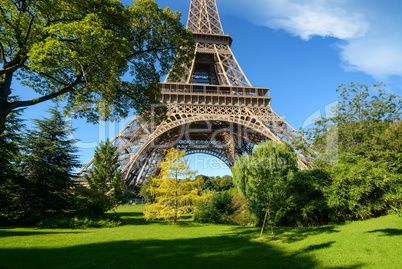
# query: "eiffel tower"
212 109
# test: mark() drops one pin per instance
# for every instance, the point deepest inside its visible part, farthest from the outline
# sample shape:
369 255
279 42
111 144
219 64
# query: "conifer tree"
174 193
9 178
49 157
104 177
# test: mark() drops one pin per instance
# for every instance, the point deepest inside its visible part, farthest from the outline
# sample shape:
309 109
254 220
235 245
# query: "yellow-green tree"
174 193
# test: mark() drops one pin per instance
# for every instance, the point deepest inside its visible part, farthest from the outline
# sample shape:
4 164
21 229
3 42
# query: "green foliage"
145 191
173 190
357 119
63 222
362 179
260 177
241 215
79 51
48 160
217 183
104 176
303 202
9 158
218 209
89 203
224 208
362 190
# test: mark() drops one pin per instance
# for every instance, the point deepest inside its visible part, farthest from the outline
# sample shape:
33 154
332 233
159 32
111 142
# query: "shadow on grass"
7 233
289 234
318 246
388 231
137 218
209 252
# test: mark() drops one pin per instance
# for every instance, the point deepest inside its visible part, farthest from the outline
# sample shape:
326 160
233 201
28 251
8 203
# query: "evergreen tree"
173 191
48 161
9 178
104 177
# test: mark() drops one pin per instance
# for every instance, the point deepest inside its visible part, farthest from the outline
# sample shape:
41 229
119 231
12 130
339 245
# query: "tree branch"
3 53
47 97
14 65
29 29
141 51
55 79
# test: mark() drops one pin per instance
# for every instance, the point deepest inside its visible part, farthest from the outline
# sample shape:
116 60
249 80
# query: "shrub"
224 208
90 203
241 214
216 210
63 222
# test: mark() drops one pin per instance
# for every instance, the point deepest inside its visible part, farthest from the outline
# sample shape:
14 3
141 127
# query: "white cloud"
370 30
318 18
378 56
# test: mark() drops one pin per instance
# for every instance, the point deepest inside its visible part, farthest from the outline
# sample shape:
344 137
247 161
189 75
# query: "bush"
216 210
224 208
241 214
63 222
90 203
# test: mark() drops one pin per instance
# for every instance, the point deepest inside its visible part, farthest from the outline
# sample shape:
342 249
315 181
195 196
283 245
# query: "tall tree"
79 51
260 177
9 157
173 192
48 160
364 181
104 177
355 120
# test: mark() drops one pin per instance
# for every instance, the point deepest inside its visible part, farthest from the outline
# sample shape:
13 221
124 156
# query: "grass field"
375 243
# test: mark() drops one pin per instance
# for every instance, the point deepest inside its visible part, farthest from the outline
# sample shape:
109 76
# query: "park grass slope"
375 243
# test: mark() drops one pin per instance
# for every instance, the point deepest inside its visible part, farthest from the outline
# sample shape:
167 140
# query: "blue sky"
300 49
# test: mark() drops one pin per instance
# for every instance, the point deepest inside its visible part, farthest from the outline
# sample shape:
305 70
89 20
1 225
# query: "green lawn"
375 243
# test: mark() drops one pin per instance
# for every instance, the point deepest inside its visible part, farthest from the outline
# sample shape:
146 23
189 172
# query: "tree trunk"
265 218
3 116
5 91
263 224
175 210
272 225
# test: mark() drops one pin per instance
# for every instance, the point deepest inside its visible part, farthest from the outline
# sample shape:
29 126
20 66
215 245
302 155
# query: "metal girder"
203 17
212 109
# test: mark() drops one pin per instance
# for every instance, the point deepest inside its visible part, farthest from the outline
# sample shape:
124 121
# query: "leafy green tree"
48 160
356 119
260 178
173 194
304 202
79 51
217 183
104 176
364 179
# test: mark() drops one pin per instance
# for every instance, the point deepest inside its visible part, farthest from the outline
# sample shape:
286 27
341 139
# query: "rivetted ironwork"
212 109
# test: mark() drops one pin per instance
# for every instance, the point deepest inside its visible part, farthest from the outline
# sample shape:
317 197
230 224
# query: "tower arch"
212 108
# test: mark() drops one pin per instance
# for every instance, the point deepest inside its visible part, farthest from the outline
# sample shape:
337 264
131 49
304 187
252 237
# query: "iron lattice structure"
212 109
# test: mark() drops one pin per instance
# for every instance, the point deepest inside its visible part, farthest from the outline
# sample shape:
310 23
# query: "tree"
48 160
9 176
173 195
356 119
260 177
79 51
304 202
104 176
364 180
